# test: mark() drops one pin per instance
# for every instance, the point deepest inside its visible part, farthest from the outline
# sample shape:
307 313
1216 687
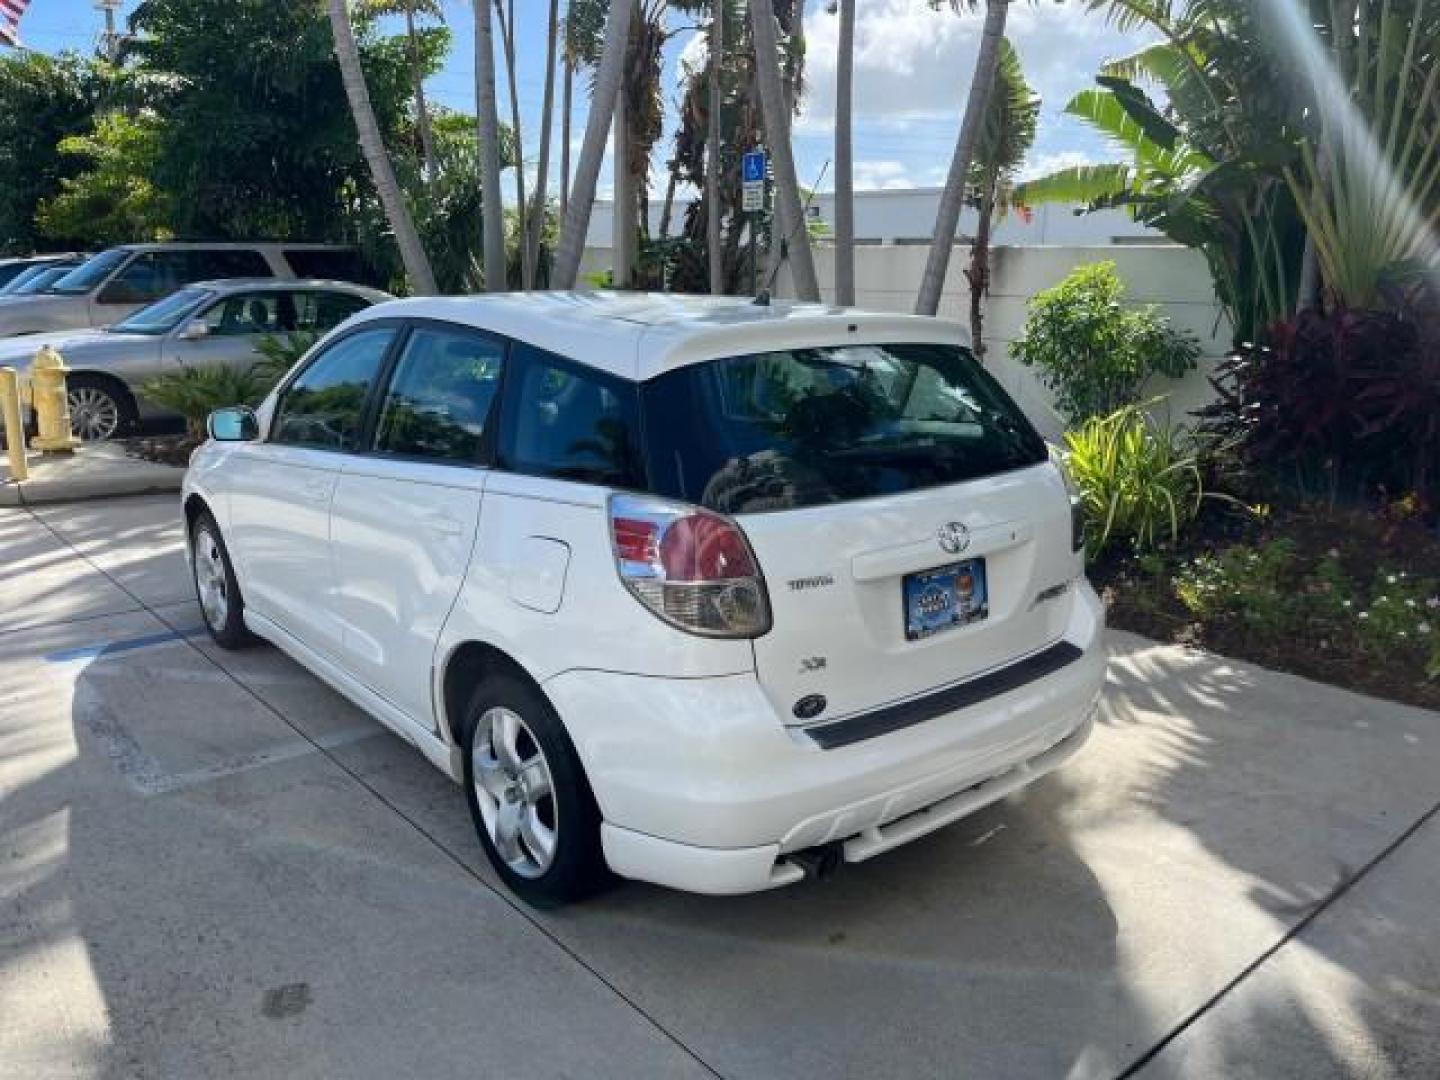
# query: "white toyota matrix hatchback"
700 592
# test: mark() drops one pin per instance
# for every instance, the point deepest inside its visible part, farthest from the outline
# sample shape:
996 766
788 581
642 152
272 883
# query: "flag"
10 12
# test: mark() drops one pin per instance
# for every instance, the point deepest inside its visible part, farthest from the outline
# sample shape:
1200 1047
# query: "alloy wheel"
515 792
210 579
94 414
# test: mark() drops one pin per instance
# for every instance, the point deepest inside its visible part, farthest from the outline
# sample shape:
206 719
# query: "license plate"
946 597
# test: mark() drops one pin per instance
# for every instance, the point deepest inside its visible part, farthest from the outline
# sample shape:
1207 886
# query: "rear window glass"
805 427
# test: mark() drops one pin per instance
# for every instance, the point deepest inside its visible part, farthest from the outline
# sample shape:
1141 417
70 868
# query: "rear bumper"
703 788
725 871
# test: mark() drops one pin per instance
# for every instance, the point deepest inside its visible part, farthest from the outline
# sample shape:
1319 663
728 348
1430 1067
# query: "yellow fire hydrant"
52 403
14 432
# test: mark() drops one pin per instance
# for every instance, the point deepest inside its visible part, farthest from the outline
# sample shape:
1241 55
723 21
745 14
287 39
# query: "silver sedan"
209 323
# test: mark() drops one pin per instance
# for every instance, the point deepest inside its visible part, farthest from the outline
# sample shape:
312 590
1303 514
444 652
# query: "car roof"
271 284
230 245
640 335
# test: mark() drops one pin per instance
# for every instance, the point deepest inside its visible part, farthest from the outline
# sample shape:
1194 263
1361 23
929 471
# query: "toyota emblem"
954 537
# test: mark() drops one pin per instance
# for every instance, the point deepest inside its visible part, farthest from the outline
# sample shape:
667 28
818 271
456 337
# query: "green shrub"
196 392
1139 479
1094 353
1257 585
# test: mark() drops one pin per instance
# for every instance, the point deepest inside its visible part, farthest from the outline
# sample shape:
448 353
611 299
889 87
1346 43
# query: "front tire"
221 604
531 803
99 410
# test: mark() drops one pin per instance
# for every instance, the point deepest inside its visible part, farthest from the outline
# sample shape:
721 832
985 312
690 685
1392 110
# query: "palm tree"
597 127
774 108
372 145
953 198
488 124
844 169
1005 138
536 221
410 10
505 11
712 154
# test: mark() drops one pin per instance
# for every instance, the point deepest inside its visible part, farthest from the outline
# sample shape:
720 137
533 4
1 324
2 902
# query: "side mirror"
194 330
235 424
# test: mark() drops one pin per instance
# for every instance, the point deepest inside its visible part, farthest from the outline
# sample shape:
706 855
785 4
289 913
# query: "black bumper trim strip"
855 729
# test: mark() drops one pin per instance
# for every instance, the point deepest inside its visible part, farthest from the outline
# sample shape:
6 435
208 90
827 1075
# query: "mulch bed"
1144 601
163 449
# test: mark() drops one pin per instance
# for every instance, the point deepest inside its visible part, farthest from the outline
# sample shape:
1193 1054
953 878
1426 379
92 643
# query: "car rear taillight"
692 568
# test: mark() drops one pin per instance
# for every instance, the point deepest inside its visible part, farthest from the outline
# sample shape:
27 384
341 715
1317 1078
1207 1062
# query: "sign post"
752 175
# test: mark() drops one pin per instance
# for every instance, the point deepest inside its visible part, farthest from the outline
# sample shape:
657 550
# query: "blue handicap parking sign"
753 166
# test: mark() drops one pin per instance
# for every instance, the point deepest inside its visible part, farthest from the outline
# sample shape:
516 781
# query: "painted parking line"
107 648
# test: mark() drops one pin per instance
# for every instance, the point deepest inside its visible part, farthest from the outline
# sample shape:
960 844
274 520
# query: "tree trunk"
953 198
565 139
422 107
668 206
535 224
978 272
372 145
777 127
507 38
592 150
488 123
713 209
844 167
623 207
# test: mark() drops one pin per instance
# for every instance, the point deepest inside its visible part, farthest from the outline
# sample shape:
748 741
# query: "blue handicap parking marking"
106 648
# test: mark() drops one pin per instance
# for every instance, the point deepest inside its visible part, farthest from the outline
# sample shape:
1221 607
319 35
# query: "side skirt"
440 754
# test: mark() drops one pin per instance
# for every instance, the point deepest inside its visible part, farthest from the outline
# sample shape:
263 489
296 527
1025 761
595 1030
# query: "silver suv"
116 282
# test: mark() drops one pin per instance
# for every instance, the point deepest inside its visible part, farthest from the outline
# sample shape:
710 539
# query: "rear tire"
221 605
99 409
529 799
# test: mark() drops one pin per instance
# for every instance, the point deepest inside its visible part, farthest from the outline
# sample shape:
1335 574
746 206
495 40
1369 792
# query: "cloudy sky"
912 73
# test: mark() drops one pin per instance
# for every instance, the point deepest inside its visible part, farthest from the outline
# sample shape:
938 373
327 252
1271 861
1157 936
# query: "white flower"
1364 614
1345 603
1433 603
1423 628
1390 579
1410 603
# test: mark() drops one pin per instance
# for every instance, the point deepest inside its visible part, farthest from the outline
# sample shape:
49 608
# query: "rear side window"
228 263
569 422
806 427
325 406
337 264
440 397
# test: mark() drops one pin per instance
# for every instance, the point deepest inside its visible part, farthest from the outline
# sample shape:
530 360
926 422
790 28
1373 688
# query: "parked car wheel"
221 604
98 409
533 808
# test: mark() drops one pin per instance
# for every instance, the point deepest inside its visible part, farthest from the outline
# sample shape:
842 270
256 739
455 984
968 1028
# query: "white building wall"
904 215
1176 279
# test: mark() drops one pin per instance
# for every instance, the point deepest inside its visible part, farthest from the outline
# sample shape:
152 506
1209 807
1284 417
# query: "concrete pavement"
95 471
211 865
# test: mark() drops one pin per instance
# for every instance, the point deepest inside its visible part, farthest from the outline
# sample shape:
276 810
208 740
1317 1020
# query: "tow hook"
819 862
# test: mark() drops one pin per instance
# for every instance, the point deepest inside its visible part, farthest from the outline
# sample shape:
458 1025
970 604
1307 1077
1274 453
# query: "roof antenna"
762 298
